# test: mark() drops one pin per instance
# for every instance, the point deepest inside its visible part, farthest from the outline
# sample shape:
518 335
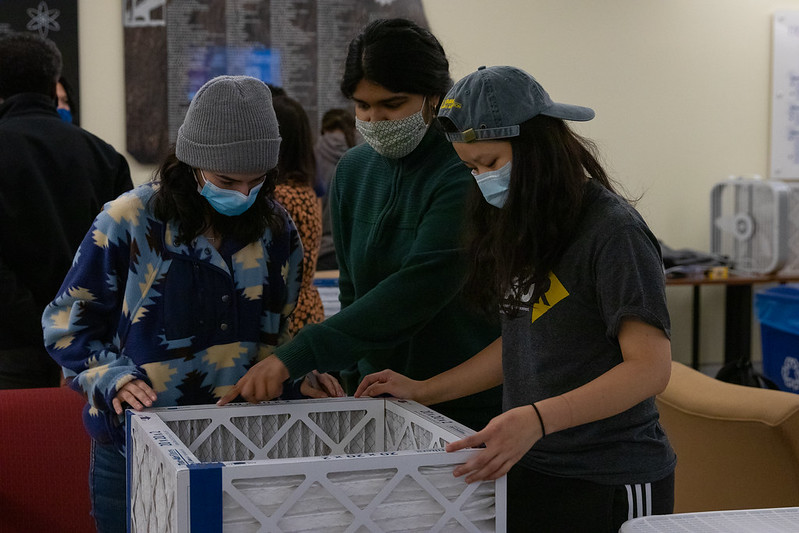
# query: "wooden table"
737 310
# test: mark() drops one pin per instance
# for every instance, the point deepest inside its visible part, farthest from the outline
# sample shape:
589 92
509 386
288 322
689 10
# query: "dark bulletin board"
172 47
56 20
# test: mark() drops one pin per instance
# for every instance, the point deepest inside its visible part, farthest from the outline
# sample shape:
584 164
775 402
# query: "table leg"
738 323
695 318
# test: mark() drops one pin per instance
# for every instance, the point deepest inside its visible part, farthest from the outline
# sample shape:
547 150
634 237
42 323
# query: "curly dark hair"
176 198
512 250
28 64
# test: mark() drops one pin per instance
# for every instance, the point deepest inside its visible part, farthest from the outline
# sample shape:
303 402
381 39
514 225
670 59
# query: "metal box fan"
749 223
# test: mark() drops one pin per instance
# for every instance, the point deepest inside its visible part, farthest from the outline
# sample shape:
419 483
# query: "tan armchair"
737 447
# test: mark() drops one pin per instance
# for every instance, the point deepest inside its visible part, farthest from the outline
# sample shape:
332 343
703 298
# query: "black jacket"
54 179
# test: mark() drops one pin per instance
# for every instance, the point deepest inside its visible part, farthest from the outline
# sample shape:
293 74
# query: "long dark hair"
296 162
401 56
512 250
177 199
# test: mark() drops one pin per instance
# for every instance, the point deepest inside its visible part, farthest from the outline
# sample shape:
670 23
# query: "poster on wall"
784 160
56 20
172 47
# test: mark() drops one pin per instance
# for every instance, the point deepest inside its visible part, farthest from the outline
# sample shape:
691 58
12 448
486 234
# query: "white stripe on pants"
639 500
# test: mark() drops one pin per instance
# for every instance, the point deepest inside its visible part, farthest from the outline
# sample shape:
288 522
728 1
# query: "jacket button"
225 298
223 326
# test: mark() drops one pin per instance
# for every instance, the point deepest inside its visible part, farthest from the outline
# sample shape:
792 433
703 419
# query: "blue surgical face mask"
494 184
227 201
65 114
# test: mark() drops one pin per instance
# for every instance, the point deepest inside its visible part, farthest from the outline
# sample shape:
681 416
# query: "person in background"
181 284
66 103
578 278
55 179
397 205
294 191
338 135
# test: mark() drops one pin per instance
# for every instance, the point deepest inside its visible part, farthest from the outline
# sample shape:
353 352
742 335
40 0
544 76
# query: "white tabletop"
780 520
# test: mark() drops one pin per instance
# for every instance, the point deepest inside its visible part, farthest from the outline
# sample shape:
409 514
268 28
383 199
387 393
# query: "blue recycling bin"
777 310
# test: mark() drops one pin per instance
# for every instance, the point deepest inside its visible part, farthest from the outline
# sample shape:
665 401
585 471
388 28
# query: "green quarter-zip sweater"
397 227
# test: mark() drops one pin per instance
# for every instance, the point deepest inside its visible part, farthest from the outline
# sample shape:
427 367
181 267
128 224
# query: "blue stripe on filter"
205 497
128 466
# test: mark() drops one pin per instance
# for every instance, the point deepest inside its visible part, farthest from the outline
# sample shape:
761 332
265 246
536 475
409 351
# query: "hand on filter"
507 438
390 383
264 381
316 385
136 393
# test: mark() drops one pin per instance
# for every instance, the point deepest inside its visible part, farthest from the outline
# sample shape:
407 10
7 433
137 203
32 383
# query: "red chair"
44 462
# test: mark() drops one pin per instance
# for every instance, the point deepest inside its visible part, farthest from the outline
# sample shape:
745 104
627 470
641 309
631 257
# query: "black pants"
548 504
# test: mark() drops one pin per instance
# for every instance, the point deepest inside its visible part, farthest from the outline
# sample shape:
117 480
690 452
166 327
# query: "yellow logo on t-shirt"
553 294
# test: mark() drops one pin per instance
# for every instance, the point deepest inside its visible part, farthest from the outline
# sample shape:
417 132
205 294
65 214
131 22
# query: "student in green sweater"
397 206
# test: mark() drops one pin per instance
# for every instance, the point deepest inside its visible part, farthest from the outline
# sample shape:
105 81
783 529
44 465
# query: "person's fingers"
329 384
365 383
231 395
325 388
254 390
117 405
127 394
142 393
378 377
472 441
474 464
338 390
489 469
375 390
145 390
313 392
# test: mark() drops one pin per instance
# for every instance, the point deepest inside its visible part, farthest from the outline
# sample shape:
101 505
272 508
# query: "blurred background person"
337 136
294 191
55 179
67 102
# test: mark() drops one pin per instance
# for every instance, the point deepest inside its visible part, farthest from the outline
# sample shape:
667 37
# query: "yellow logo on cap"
450 103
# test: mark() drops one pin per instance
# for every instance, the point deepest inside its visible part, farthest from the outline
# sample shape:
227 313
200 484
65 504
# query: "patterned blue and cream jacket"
188 319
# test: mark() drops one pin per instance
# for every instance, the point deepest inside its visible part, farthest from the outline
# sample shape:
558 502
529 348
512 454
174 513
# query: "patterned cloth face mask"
394 138
494 184
227 201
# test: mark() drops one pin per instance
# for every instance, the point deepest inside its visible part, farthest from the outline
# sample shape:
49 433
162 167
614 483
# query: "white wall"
681 90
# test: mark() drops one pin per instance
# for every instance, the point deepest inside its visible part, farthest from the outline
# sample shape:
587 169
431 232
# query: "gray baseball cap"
491 103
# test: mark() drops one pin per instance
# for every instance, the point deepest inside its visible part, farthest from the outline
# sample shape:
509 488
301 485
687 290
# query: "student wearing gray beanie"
230 127
186 281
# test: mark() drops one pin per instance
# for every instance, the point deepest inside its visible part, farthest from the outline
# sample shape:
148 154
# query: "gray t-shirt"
612 270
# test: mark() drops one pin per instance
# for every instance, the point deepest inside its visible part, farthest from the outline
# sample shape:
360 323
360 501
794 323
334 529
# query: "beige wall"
681 90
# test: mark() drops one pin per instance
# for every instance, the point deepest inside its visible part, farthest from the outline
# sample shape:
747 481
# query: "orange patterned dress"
304 207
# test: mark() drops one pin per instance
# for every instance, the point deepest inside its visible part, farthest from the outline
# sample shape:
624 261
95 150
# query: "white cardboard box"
344 464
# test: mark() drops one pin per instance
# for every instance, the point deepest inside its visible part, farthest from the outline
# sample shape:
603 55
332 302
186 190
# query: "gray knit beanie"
230 127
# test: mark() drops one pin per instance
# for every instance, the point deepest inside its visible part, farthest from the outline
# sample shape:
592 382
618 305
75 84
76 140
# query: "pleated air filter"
337 465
